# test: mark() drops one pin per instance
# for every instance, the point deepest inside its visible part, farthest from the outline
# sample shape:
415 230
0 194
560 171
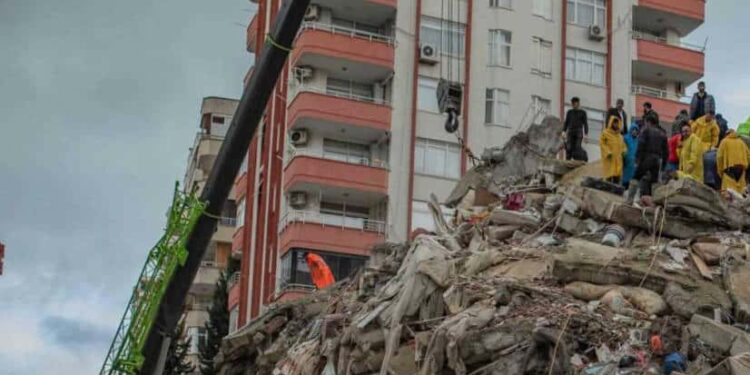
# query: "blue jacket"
632 144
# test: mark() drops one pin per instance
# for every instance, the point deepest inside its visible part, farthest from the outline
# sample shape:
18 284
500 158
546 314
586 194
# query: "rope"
557 343
656 240
277 45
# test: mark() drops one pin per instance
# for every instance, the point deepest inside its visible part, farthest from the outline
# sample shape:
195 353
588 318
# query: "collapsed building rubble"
520 283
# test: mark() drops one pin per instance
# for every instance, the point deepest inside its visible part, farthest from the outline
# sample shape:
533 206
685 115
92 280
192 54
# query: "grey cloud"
74 334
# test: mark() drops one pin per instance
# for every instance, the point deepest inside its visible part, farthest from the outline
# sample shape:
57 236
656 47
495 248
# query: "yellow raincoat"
691 158
732 152
707 132
612 148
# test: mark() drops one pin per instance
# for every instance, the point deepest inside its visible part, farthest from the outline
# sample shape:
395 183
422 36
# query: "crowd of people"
701 147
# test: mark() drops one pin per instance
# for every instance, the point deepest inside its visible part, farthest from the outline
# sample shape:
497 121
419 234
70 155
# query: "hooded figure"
631 142
691 155
732 161
707 130
321 275
612 149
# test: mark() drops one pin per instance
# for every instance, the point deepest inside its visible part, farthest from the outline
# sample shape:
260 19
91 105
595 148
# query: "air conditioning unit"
428 53
298 137
596 33
312 13
304 72
298 199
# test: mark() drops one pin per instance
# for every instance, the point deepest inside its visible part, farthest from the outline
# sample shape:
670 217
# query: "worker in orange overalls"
321 274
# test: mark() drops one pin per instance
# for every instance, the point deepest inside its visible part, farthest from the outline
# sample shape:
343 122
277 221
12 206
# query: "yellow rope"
277 45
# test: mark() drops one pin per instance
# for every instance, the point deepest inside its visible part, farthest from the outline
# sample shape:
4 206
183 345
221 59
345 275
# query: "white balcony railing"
655 92
349 159
304 87
331 220
228 221
350 32
642 35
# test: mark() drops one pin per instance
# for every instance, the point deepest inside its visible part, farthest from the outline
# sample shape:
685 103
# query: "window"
501 4
360 29
348 216
437 158
584 66
543 8
350 89
586 12
347 152
497 107
447 36
241 212
294 271
197 336
542 108
499 41
229 213
421 217
220 125
596 123
427 95
542 63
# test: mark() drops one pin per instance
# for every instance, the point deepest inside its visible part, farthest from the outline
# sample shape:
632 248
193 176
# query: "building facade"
353 144
216 115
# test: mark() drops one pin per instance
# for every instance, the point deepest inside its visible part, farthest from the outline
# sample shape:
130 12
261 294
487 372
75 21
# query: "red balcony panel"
240 187
686 8
251 40
340 46
667 109
340 110
319 171
234 296
238 240
328 238
670 56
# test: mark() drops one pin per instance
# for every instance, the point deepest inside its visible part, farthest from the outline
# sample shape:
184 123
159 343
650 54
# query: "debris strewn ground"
520 282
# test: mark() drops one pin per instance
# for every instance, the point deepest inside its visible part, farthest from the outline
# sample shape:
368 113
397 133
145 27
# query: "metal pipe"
233 150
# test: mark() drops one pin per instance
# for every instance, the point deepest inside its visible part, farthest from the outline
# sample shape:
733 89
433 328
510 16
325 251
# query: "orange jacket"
321 275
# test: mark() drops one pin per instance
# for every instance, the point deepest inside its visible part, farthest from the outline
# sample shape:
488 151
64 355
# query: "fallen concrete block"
501 232
500 216
737 284
722 337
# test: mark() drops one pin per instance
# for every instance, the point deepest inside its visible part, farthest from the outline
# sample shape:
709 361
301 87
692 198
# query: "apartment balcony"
233 286
661 61
327 232
666 104
312 172
684 16
318 108
252 35
225 230
357 53
206 278
240 187
238 240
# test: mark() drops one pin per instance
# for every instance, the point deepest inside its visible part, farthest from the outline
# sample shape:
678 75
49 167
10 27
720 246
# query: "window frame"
424 82
500 4
541 47
497 45
597 5
421 167
547 5
445 29
495 103
583 56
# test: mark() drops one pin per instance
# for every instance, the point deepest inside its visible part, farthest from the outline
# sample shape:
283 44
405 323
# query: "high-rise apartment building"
353 144
216 115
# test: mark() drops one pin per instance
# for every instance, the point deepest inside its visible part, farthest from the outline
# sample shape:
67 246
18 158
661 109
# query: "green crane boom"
125 353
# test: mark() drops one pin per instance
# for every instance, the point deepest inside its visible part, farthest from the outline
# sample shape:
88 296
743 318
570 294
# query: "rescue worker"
631 142
575 129
613 150
651 158
321 275
732 161
702 102
691 155
673 163
707 130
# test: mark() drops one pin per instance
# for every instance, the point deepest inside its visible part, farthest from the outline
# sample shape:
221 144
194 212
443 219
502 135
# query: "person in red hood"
673 162
320 273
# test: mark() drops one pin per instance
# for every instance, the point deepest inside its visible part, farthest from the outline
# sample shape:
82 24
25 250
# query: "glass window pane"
488 111
419 157
583 71
570 68
435 160
585 14
453 163
598 74
600 17
571 11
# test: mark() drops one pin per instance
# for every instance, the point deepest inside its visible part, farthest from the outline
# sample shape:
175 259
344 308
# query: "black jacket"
622 116
576 122
653 114
652 144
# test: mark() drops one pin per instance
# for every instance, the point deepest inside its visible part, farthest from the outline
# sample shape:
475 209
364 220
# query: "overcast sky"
99 102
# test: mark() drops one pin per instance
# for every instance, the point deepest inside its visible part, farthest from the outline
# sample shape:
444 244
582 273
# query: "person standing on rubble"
732 161
707 131
575 129
613 150
702 103
651 158
723 126
691 155
320 273
619 112
681 119
673 163
648 110
631 142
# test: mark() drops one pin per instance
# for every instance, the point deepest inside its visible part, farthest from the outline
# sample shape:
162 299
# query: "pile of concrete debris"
539 273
